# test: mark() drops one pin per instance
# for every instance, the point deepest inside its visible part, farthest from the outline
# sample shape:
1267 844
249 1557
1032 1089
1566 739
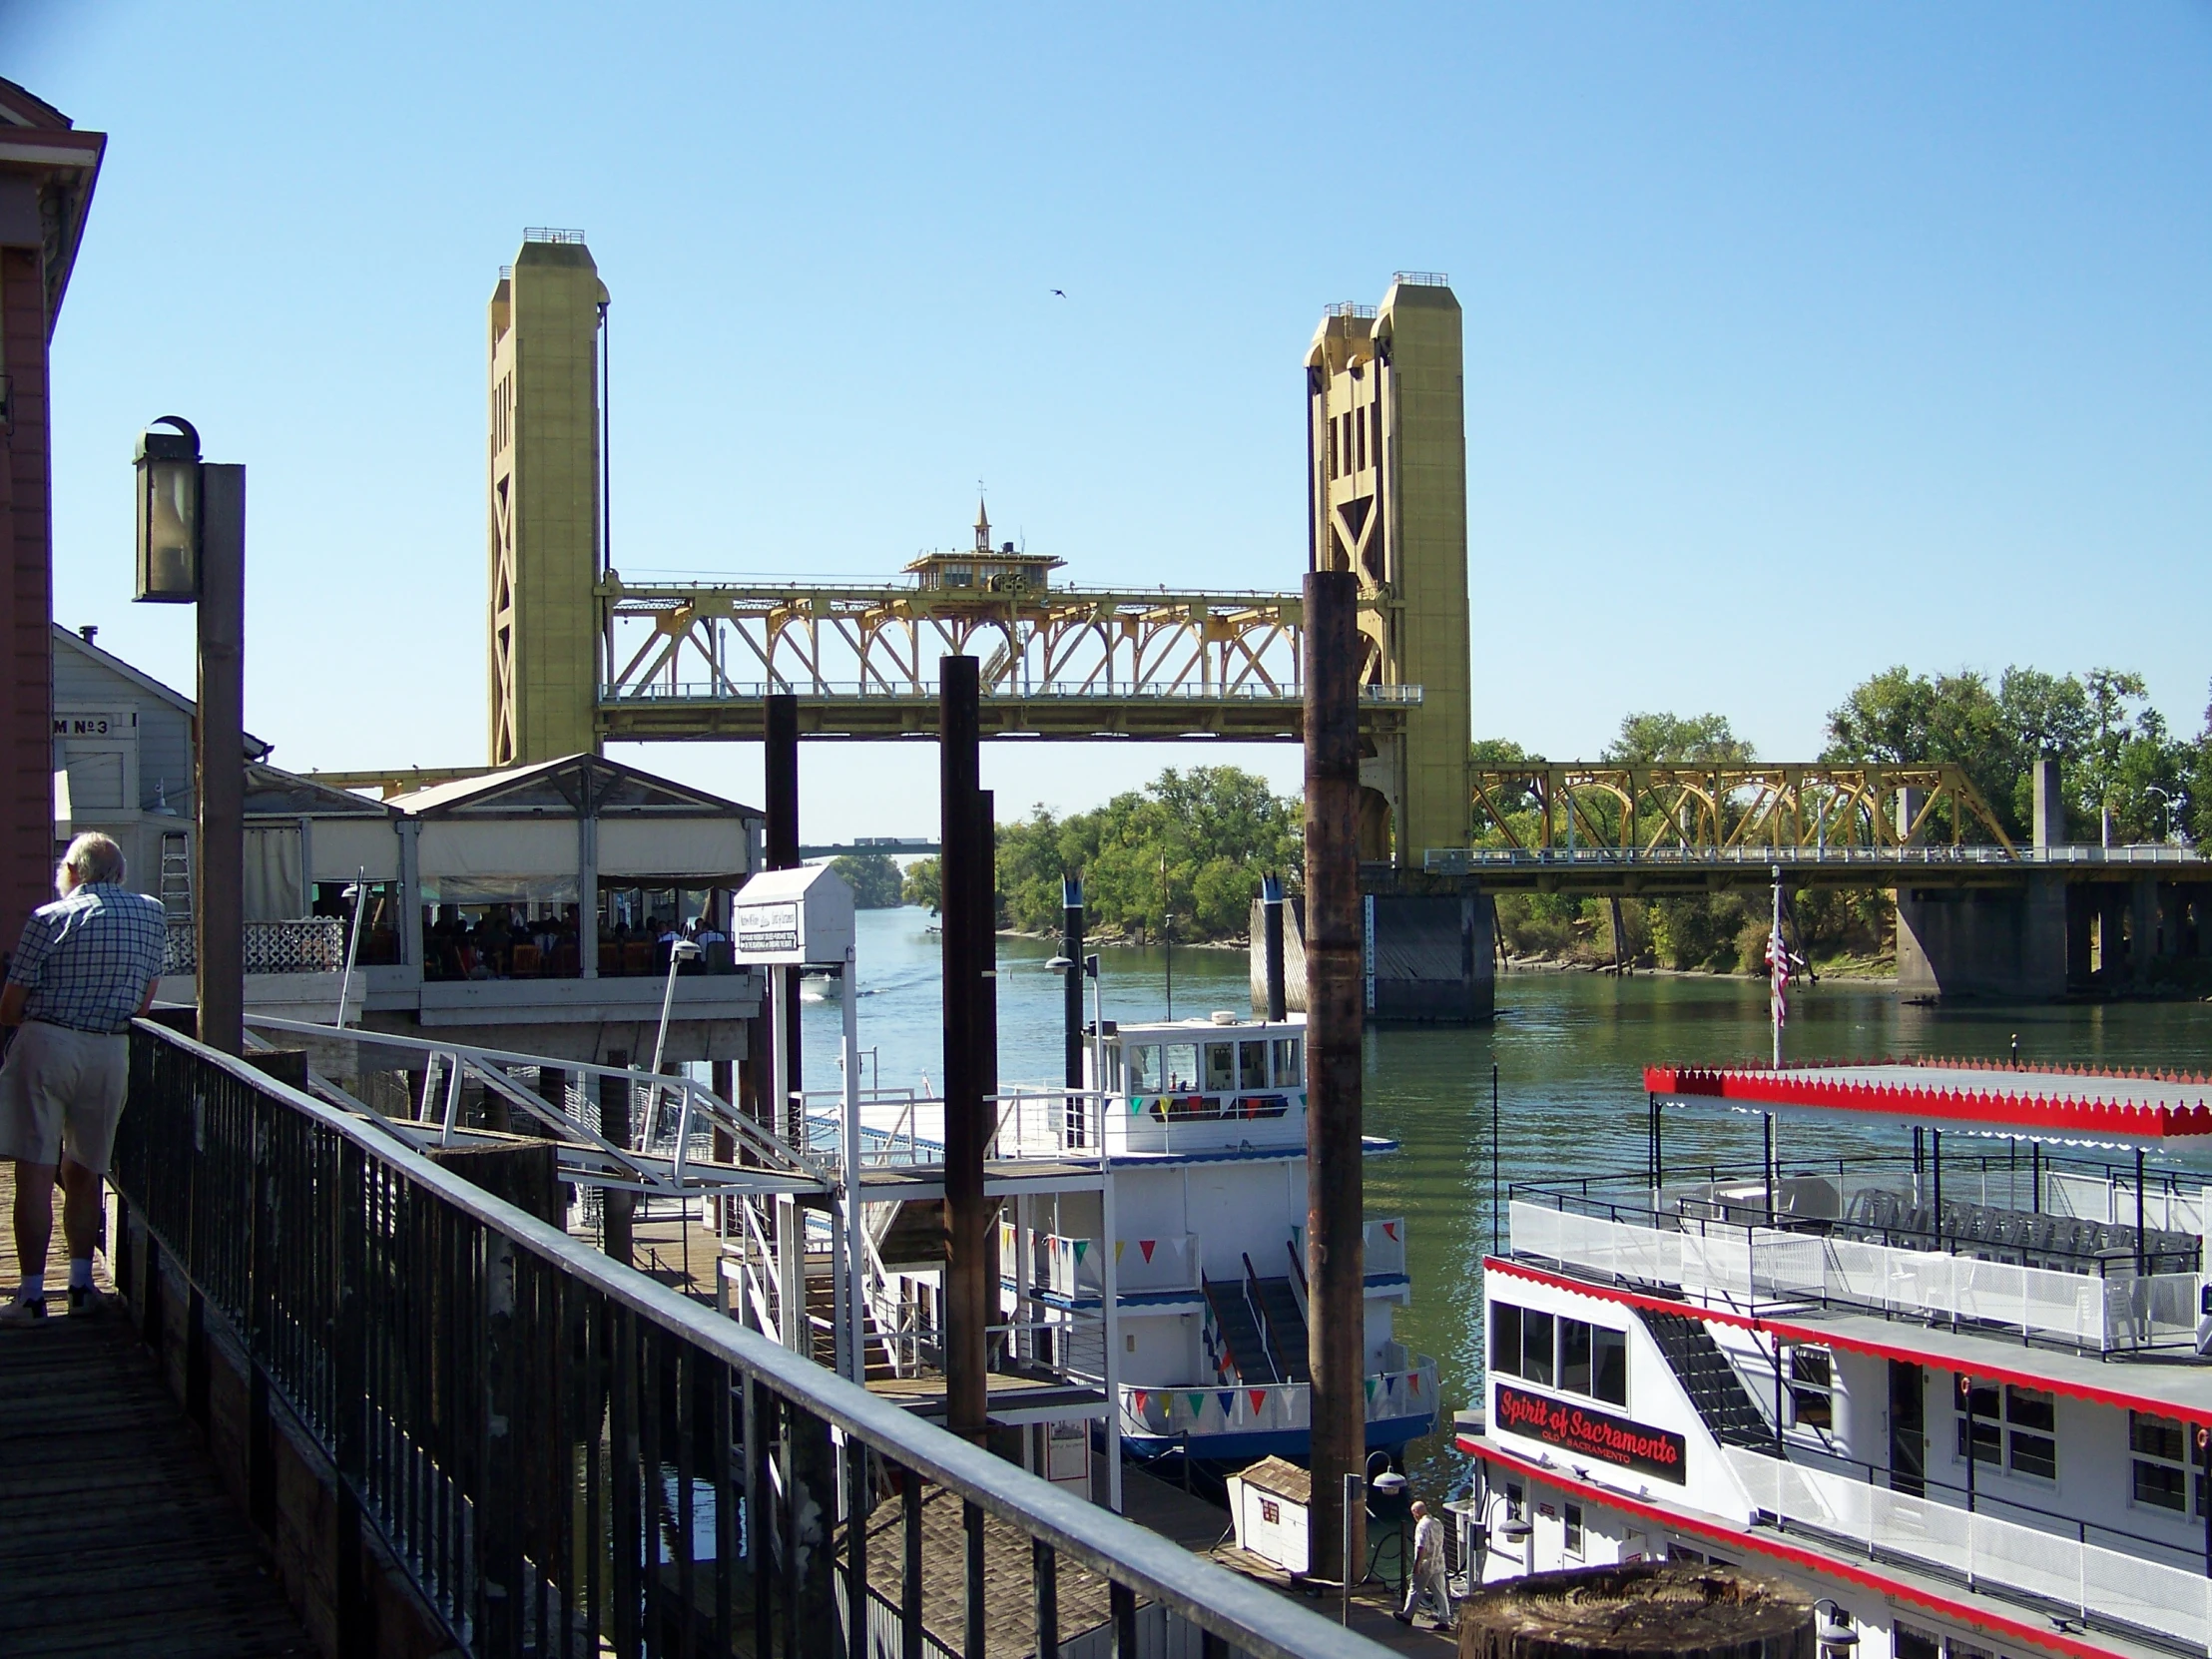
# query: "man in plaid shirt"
86 966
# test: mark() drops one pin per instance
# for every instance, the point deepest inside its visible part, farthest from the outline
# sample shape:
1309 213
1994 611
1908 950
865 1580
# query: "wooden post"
1334 1252
966 1127
220 740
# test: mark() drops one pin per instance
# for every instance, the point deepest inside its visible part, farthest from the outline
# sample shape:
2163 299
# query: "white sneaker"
24 1312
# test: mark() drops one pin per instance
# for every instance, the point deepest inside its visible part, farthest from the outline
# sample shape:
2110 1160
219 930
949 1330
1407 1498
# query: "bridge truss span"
695 660
1699 806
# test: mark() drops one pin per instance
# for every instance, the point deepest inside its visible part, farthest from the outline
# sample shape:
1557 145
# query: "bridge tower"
1387 480
543 500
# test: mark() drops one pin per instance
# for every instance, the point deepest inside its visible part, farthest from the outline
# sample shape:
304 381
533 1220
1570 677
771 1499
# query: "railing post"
1121 1603
1044 1585
976 1586
261 1444
349 1393
498 1494
857 1490
910 1583
761 1525
810 1500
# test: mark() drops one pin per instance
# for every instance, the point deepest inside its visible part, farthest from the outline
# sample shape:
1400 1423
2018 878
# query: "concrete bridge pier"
1430 959
2006 944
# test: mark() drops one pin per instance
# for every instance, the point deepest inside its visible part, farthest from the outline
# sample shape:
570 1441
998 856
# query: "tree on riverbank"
874 879
1194 842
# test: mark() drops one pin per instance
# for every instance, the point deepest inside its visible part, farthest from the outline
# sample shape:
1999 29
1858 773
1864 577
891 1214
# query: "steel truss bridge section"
1598 828
695 660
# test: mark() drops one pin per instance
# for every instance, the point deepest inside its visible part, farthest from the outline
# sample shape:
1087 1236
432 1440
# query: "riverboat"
1961 1395
1151 1246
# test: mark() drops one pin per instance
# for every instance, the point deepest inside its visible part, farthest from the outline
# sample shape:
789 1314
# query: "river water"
1569 1050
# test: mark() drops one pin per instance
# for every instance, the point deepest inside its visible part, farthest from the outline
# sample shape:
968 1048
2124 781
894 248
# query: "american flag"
1777 973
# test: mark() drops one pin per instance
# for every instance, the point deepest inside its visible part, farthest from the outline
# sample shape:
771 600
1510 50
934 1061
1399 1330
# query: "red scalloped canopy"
2139 1106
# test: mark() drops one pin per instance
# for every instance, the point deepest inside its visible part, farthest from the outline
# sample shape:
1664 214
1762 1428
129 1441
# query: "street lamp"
191 541
1835 1628
2165 812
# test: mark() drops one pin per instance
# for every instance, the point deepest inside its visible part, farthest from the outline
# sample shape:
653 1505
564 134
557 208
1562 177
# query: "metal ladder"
176 890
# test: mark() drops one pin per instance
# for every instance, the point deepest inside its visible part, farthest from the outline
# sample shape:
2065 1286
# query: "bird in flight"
1062 293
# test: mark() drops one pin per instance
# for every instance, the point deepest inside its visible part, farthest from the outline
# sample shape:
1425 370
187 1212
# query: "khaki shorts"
62 1089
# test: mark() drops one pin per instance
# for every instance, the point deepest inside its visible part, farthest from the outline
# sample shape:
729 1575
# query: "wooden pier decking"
116 1537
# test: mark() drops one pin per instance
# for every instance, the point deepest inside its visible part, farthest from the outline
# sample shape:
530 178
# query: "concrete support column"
2111 934
2005 943
2049 821
2081 917
2142 928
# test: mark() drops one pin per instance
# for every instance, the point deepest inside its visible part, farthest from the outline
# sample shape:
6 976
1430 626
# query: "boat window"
1506 1338
1571 1537
1251 1065
2162 1455
2014 1426
1144 1070
1908 1643
1221 1067
1575 1355
1290 1070
1182 1068
1812 1387
1609 1364
1535 1347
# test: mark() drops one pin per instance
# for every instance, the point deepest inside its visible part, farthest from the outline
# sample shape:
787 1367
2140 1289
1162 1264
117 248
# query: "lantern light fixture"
168 513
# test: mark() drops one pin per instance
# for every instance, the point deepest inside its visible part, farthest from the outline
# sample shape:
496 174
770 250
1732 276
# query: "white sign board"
792 918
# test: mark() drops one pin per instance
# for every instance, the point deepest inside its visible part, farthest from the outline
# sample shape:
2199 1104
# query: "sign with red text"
1598 1435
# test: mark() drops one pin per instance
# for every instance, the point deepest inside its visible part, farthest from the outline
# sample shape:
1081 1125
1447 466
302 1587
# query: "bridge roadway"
116 1534
1607 871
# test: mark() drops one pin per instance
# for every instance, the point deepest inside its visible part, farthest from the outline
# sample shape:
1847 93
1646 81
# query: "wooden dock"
116 1537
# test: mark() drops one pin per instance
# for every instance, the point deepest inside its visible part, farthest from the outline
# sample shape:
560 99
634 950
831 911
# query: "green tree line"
1193 844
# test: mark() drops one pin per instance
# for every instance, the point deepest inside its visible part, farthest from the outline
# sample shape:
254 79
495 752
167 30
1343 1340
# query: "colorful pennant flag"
1120 1245
1081 1245
1228 1399
1370 1387
1143 1398
1259 1399
1389 1229
1412 1380
1147 1245
1197 1404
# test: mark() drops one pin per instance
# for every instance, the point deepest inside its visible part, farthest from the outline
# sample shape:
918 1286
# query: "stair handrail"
1220 1331
1258 1306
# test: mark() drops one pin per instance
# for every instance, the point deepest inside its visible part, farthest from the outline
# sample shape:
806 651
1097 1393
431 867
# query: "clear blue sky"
1800 341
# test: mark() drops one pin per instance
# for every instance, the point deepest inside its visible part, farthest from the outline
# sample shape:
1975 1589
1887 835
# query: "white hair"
92 858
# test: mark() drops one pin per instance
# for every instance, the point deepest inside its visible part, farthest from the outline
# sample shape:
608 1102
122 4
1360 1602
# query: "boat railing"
1749 1268
2113 1586
1235 1409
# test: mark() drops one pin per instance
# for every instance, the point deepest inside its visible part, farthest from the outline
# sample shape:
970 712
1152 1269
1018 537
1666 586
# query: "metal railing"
1238 1408
1288 693
1459 860
564 1456
1753 1267
2116 1589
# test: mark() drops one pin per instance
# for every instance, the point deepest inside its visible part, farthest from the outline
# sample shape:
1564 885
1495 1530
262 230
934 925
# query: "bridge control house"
1961 1392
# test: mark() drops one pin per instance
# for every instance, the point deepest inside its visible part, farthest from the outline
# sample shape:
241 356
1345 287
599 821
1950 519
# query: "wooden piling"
1334 1254
966 1128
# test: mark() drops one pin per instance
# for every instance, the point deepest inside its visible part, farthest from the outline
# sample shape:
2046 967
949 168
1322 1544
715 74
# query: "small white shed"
1268 1505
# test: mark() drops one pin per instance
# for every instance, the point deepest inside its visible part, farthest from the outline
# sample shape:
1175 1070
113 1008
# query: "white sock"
80 1272
33 1288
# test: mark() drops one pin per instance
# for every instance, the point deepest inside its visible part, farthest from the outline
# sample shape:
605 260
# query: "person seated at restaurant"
493 942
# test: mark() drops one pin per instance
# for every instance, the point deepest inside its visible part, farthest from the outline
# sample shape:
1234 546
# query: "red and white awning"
2042 1102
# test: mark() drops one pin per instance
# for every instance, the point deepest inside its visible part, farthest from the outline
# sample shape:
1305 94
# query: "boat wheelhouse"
1963 1392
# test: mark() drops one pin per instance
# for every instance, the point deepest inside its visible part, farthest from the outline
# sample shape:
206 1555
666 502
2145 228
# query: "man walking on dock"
1430 1580
86 966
